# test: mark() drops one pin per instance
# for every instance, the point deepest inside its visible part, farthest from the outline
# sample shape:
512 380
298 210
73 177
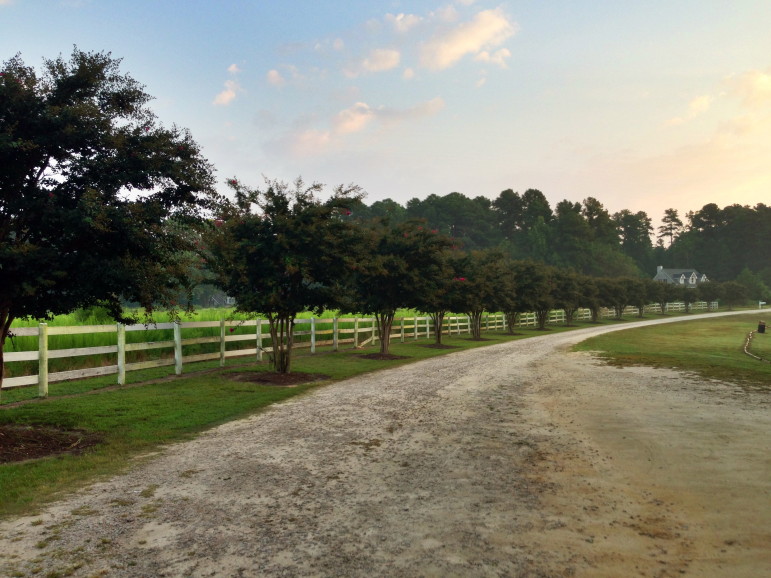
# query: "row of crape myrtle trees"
281 250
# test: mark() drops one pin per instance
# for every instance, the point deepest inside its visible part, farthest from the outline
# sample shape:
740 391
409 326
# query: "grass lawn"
712 348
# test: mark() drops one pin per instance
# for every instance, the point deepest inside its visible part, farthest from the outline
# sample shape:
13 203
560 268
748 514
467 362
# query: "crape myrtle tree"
612 294
636 293
527 279
486 280
395 263
97 198
688 295
436 292
664 293
281 250
567 293
709 292
544 301
734 293
592 297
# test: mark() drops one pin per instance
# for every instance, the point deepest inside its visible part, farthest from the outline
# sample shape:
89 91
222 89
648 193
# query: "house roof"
673 275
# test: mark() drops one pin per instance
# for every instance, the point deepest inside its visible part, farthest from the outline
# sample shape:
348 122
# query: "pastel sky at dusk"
644 105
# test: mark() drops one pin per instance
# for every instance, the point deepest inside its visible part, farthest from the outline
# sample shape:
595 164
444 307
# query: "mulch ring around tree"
27 442
277 379
383 356
439 346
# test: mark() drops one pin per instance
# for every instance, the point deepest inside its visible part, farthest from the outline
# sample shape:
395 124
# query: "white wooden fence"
309 333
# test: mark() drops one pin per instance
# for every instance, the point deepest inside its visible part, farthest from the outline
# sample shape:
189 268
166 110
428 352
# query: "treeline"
588 239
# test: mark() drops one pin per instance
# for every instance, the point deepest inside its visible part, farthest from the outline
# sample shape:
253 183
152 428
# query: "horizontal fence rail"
240 339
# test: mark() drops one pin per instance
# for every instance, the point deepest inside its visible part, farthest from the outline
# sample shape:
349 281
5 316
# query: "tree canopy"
97 198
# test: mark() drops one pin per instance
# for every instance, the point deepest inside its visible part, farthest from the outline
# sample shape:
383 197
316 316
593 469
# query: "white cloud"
227 96
403 22
378 60
752 87
408 74
498 57
381 59
338 44
274 77
353 119
233 69
697 107
488 29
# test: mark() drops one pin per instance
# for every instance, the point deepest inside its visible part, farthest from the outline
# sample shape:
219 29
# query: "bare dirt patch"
26 442
383 356
278 379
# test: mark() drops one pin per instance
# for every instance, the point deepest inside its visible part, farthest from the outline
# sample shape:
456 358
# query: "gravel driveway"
520 459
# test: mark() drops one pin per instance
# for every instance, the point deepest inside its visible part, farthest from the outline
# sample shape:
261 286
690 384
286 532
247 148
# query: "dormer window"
682 279
692 279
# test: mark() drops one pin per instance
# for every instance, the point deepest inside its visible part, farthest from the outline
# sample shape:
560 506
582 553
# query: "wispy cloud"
488 30
356 119
378 60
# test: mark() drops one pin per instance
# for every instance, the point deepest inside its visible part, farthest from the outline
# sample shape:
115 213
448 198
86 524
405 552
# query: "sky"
643 105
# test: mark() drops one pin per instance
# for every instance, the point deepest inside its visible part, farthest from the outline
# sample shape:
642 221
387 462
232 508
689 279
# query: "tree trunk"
476 324
595 311
282 339
6 318
512 320
542 316
570 313
438 318
385 322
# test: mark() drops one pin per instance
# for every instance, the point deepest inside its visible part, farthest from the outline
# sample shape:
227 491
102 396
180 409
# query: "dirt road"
519 459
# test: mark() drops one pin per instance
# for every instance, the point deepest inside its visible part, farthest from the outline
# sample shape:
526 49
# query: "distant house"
686 277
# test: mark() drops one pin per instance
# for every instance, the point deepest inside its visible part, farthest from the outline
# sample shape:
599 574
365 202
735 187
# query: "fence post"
313 335
258 336
402 330
428 327
177 348
42 370
335 336
222 342
121 354
355 332
415 327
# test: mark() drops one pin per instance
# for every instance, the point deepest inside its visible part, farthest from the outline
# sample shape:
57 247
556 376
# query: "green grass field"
712 348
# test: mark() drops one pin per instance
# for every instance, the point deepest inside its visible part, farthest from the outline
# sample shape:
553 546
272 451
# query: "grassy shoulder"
712 348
